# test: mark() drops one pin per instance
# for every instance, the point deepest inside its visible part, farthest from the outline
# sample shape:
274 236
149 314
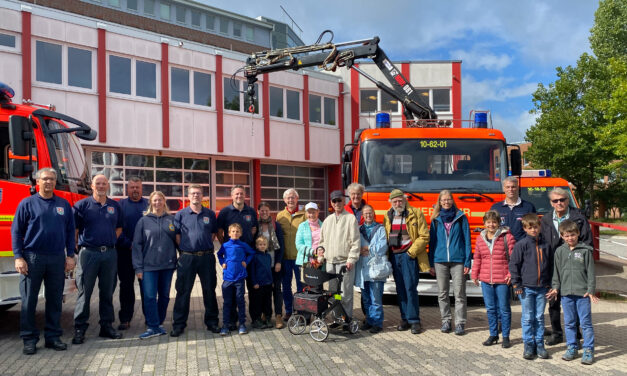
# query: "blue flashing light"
6 92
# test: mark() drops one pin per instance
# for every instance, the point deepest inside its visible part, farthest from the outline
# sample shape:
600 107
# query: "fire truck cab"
33 137
535 186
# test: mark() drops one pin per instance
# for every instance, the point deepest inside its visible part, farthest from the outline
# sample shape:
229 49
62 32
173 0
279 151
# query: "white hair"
290 191
45 169
355 187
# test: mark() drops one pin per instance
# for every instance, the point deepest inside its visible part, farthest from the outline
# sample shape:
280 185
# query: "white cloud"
476 93
480 59
514 127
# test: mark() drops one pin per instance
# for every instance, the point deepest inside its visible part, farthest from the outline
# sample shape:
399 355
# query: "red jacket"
349 208
490 264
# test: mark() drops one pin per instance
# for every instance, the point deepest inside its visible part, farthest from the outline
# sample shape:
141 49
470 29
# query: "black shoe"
177 332
233 328
404 325
124 325
415 328
56 344
376 329
491 341
548 332
529 352
211 328
554 340
506 344
30 348
109 332
541 351
79 337
366 326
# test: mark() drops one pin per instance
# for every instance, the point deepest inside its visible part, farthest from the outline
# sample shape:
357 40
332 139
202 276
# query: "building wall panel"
324 145
193 130
243 136
10 20
11 72
133 46
133 124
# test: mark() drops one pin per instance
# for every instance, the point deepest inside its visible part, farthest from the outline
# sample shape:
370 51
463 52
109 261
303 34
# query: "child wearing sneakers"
260 297
234 256
530 269
573 277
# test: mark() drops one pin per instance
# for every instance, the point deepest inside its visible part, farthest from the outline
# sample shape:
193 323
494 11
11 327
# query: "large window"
281 99
236 98
308 181
132 77
196 18
194 88
180 14
224 26
164 11
64 65
170 175
321 110
237 29
374 100
149 7
228 174
442 100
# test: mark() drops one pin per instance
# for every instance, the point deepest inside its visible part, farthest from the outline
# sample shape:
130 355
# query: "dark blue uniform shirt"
97 223
196 230
512 218
247 218
132 211
43 226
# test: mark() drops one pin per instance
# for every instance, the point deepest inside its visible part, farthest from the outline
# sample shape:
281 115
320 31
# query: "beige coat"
339 237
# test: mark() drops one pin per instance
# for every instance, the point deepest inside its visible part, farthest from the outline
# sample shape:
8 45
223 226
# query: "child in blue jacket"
260 297
234 256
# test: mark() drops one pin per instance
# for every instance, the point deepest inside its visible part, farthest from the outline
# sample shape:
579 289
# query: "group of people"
139 238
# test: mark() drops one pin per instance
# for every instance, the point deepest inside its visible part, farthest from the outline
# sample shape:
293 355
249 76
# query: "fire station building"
160 81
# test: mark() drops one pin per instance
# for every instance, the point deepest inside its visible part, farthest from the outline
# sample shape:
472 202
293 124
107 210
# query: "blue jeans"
496 298
372 296
289 269
533 304
405 271
233 293
49 270
156 283
574 305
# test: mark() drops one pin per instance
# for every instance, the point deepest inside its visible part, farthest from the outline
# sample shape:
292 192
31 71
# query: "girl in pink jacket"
491 266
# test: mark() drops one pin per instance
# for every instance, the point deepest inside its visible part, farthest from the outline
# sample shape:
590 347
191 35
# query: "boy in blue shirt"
530 267
573 276
234 256
260 297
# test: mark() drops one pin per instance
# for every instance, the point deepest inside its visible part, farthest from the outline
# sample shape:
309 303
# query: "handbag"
379 268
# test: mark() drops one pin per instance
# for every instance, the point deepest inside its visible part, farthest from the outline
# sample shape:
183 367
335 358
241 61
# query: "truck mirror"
20 168
89 135
20 133
515 158
346 174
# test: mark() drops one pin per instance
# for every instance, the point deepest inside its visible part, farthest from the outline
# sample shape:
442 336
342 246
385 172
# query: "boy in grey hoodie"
574 277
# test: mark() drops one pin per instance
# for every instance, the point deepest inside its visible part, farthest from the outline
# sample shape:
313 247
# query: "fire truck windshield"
430 165
68 159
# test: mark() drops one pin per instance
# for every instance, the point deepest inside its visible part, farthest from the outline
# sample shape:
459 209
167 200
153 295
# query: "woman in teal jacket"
450 258
308 234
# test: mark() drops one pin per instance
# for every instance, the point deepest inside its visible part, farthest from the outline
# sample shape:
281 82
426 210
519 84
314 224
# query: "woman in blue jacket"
450 258
154 260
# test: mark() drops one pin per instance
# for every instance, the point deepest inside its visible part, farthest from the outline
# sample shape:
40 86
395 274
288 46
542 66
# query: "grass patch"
612 232
612 296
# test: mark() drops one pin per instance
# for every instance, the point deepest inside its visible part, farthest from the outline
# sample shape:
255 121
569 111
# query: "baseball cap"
396 193
337 194
311 205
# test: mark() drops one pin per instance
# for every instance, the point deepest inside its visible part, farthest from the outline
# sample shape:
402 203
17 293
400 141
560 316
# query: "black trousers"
555 310
126 276
49 269
277 294
187 268
260 302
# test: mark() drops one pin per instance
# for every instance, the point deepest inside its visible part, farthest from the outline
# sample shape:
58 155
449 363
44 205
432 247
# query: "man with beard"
408 236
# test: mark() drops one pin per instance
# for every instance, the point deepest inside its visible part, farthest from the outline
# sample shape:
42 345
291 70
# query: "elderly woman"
154 260
372 269
450 256
273 232
308 234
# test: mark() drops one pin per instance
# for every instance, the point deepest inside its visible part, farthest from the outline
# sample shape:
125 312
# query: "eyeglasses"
335 201
555 201
446 200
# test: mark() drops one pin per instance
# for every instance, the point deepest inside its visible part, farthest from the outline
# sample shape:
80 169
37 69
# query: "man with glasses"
513 208
550 224
339 243
196 227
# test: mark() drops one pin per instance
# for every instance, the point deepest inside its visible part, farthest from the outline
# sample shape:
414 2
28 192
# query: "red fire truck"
535 186
32 137
426 157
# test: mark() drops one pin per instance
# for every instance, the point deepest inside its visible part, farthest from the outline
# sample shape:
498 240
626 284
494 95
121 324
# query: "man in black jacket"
550 222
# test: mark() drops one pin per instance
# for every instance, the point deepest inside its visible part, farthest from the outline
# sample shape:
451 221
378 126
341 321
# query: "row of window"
172 175
181 14
375 100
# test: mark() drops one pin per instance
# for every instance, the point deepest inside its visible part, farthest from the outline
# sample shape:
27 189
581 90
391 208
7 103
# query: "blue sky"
506 47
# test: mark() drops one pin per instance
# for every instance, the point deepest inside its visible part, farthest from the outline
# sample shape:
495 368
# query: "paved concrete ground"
277 352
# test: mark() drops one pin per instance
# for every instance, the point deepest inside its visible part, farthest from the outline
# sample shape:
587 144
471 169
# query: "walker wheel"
353 327
297 324
319 330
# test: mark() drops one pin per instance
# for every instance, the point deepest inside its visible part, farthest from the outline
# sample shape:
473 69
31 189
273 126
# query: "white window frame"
242 96
322 119
300 105
191 103
379 95
430 90
64 85
133 94
18 42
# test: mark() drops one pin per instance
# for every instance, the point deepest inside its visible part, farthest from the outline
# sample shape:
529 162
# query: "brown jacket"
289 224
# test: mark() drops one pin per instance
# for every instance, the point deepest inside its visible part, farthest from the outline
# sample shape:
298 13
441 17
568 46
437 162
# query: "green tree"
608 36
